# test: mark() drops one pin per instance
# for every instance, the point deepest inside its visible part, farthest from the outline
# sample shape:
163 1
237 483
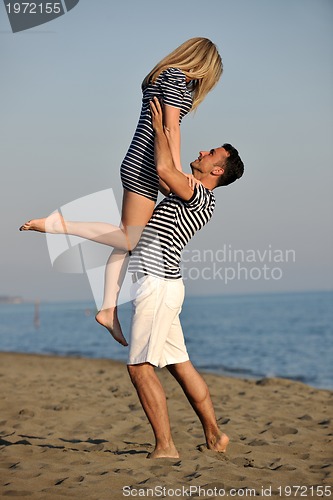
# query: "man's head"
218 167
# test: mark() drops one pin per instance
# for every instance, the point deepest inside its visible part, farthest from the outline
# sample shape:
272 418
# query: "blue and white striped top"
172 225
137 171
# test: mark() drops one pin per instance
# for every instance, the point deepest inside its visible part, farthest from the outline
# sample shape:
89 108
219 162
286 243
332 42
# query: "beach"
74 428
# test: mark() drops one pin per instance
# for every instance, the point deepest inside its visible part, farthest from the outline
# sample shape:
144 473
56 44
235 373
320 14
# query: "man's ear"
217 171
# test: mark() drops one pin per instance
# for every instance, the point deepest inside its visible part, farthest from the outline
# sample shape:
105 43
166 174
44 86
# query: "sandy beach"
73 428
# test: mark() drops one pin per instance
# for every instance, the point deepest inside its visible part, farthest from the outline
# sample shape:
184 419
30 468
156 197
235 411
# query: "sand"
73 428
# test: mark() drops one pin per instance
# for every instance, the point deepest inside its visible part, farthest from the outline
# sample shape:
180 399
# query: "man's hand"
156 115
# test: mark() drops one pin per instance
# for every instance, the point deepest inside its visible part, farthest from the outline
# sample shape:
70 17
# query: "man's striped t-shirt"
172 225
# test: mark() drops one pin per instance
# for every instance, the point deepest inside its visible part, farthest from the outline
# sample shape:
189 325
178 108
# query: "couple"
156 334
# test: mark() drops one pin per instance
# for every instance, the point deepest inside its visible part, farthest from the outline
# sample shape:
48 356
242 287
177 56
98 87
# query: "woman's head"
199 60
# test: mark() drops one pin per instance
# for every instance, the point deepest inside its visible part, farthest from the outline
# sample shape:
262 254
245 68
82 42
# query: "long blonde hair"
199 60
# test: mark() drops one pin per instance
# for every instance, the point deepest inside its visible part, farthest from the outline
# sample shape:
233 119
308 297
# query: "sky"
70 100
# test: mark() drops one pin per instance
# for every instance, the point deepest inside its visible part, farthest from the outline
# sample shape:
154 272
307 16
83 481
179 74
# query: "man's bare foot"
170 452
109 319
218 443
53 224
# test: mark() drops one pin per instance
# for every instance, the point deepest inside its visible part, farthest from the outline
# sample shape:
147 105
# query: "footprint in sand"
192 476
60 481
218 456
14 493
25 413
78 479
284 467
325 422
319 466
258 442
283 431
243 462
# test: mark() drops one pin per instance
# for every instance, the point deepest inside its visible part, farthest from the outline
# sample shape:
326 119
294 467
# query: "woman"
181 81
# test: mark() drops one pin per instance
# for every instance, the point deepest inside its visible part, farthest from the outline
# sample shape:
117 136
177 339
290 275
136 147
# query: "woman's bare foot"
218 443
54 224
109 319
170 452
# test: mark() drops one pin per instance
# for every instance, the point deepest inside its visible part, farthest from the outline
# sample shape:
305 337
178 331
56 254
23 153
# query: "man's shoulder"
200 191
202 198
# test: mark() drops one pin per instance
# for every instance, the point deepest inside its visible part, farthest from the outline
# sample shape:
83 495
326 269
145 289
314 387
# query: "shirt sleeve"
173 87
202 199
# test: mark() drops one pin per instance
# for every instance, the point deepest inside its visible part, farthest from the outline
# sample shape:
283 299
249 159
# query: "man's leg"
153 400
196 391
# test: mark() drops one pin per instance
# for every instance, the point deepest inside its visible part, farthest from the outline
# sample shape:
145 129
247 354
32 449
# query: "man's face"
208 160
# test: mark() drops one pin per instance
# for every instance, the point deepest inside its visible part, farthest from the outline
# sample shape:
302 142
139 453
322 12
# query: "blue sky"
70 99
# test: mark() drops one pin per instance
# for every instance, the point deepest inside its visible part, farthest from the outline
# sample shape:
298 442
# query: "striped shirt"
138 171
172 225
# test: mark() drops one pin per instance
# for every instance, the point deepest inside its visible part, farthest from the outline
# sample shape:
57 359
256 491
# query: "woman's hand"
156 115
192 181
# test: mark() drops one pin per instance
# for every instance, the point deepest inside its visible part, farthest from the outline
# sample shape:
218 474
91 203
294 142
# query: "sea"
285 335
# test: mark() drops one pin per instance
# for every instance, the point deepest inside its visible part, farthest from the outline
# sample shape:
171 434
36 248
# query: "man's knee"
139 372
180 369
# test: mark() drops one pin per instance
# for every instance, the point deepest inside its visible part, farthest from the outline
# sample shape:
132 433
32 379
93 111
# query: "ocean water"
250 336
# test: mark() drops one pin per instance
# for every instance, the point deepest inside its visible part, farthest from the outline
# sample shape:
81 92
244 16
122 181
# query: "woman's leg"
100 232
107 316
136 212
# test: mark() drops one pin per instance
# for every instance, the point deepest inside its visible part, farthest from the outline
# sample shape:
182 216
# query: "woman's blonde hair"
199 60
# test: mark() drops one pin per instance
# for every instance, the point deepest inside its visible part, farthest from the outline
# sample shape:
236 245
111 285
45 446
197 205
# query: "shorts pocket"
174 295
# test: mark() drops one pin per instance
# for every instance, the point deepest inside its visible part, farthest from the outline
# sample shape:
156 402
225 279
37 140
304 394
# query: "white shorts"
156 334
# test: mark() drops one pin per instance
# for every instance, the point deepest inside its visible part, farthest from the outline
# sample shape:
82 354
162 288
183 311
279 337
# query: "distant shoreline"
6 299
230 374
21 300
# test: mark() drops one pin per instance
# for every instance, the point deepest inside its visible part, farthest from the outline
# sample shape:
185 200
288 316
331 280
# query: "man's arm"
172 132
165 167
163 188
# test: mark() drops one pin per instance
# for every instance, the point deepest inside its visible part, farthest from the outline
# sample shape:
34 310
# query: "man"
156 335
